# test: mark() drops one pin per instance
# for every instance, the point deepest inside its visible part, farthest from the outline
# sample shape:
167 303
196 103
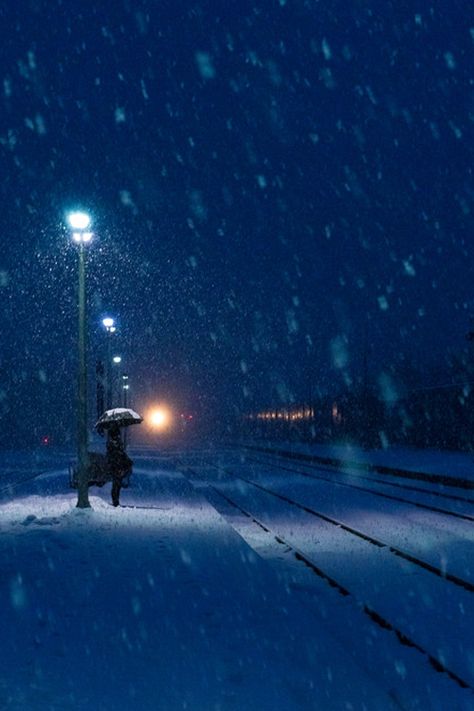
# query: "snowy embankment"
159 606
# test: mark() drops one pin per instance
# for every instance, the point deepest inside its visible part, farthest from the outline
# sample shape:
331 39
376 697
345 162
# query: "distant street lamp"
109 325
80 222
125 388
116 360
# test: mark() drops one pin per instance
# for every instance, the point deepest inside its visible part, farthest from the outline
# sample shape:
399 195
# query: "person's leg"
115 491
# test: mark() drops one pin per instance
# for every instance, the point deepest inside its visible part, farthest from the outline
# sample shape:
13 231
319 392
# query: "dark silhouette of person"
118 462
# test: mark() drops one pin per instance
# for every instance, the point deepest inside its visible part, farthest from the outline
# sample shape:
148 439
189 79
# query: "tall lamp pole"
79 223
126 388
109 325
116 360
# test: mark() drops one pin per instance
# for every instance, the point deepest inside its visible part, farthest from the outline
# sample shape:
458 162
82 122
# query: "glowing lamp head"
109 324
79 221
117 359
159 418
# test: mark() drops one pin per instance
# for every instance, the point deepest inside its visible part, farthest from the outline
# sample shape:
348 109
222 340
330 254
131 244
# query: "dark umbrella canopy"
119 416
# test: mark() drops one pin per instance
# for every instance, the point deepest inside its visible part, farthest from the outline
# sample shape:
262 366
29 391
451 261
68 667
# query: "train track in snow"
381 494
302 558
394 550
343 465
346 471
11 486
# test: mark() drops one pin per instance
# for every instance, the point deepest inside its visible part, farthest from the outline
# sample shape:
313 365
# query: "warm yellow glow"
301 413
159 418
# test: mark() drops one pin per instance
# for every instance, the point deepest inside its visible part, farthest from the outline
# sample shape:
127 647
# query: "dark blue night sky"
273 184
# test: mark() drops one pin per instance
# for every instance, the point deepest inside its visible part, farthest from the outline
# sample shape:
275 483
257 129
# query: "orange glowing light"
159 418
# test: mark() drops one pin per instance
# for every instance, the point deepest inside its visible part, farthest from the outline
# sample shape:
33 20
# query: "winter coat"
118 461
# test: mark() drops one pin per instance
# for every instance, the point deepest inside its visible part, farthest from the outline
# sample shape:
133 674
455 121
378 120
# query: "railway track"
456 580
384 495
273 458
343 465
306 560
435 660
8 488
394 550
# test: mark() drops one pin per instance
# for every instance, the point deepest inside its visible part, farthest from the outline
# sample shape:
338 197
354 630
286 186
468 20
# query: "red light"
45 440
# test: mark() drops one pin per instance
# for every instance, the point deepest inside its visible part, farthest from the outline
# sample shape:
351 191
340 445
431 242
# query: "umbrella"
120 416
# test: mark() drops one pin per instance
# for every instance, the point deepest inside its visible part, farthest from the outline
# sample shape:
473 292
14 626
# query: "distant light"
159 418
108 322
79 221
126 387
117 359
124 377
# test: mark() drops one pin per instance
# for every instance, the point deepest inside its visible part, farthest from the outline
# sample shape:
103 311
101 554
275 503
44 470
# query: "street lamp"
125 388
80 222
109 325
116 360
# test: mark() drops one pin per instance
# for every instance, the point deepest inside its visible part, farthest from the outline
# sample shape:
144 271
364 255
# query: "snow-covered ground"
233 581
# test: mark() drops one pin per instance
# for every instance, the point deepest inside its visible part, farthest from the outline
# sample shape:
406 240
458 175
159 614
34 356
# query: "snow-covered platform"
209 589
156 605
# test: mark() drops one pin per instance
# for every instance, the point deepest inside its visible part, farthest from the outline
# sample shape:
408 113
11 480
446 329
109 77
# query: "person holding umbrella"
119 463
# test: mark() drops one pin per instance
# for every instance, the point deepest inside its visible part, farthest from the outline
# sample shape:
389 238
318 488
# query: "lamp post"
125 388
116 360
109 325
79 222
